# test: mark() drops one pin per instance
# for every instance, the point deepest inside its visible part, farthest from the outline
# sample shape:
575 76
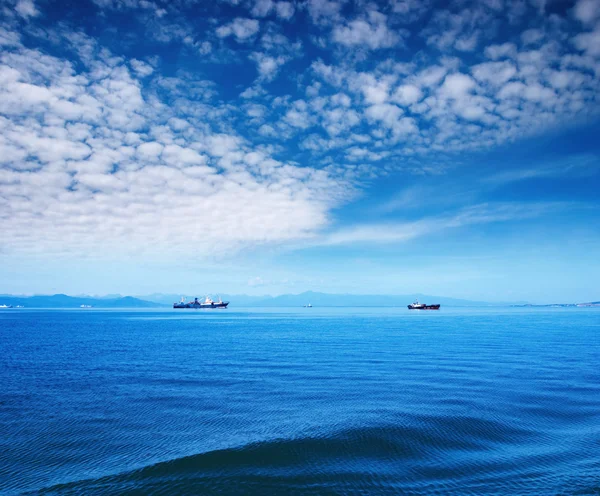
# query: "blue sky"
268 146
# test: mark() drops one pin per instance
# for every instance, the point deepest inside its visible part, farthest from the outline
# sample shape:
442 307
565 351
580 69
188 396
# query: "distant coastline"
283 301
560 305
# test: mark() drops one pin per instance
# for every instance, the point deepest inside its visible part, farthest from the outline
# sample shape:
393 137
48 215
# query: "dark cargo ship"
422 306
207 303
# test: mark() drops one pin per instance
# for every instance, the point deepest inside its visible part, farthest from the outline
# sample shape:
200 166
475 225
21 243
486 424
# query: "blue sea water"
300 401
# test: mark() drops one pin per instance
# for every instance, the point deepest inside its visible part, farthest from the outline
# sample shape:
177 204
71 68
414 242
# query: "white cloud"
511 90
340 120
146 5
385 112
589 42
467 43
431 76
457 86
9 38
370 31
285 10
504 50
79 179
150 151
267 66
109 149
375 91
575 166
341 99
458 30
391 116
240 27
205 48
587 11
539 93
26 8
262 8
407 94
178 156
141 68
324 11
298 116
532 36
494 73
397 233
519 94
566 79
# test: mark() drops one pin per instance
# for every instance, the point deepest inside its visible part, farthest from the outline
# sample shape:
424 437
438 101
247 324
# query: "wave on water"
434 456
468 403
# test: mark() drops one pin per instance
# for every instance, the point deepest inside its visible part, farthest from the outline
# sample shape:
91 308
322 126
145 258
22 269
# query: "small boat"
5 306
422 306
308 306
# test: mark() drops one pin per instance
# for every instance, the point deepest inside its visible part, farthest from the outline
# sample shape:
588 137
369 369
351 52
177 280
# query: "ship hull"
201 305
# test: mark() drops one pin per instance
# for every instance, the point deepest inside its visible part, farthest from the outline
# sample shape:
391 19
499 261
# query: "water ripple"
238 403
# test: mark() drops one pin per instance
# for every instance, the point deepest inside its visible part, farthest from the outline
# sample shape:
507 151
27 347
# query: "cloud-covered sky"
277 146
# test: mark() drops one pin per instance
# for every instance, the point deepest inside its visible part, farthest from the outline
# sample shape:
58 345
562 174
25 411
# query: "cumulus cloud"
324 11
504 50
268 66
494 73
589 42
26 8
587 11
141 68
240 28
370 31
98 148
262 8
460 31
285 10
298 115
457 86
407 94
516 90
79 178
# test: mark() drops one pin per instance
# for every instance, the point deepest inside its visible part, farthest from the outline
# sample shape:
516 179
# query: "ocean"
300 401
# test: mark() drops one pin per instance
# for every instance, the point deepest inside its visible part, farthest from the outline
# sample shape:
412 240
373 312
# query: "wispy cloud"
573 166
399 232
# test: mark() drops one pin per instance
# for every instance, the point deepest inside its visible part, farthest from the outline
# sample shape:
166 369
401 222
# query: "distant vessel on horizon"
207 303
422 306
5 306
308 306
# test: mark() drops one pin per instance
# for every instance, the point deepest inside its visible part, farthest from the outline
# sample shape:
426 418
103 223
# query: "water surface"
300 401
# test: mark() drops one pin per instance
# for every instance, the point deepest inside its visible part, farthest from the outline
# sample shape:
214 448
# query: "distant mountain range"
331 300
64 301
289 300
